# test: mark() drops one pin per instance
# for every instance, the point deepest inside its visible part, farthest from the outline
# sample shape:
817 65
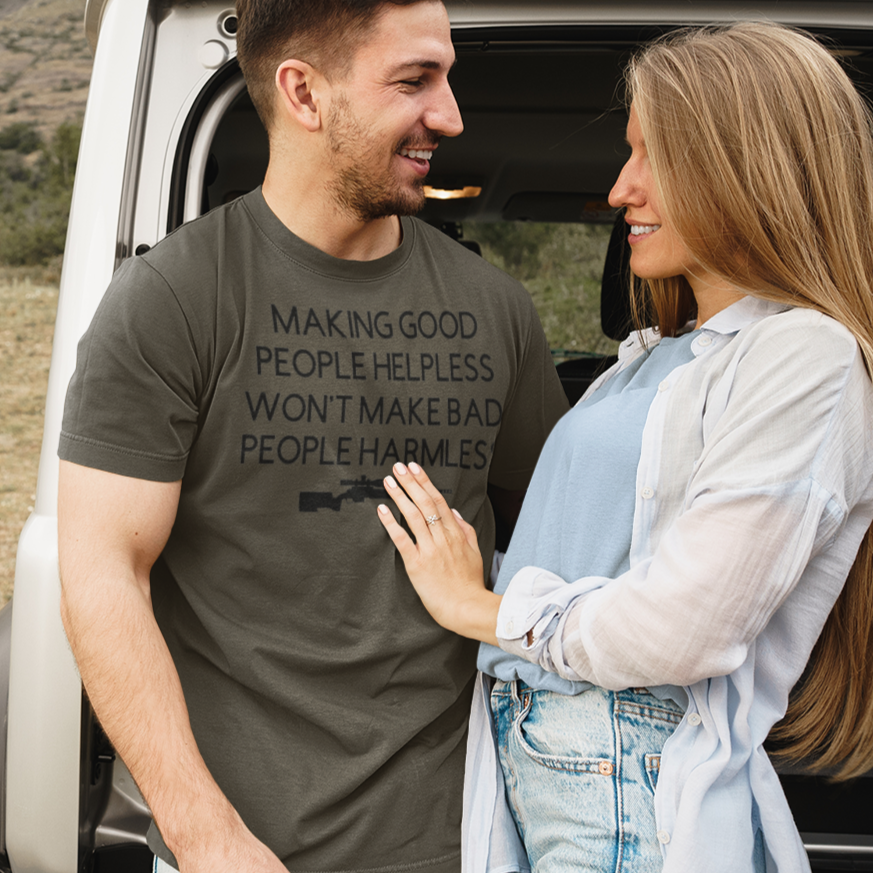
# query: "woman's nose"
623 191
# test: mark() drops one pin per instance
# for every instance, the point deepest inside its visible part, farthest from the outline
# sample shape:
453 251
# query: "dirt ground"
28 303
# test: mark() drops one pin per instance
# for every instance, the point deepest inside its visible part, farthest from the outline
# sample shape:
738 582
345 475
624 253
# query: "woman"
692 522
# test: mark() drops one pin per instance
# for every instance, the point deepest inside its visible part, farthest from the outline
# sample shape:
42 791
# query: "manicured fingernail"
458 514
415 468
389 481
384 509
399 469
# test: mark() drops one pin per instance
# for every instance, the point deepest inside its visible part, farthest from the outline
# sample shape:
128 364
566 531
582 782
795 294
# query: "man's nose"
445 116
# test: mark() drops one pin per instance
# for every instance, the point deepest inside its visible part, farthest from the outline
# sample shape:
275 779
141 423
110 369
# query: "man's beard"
358 187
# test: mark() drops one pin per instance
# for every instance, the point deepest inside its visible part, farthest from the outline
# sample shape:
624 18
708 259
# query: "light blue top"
753 490
578 514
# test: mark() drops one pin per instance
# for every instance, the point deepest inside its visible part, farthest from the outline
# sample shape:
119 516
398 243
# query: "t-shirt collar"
313 259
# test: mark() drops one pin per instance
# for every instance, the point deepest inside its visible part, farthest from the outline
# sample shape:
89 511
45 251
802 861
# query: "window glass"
561 266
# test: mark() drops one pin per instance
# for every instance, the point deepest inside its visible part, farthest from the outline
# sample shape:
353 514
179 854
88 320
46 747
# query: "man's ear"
299 85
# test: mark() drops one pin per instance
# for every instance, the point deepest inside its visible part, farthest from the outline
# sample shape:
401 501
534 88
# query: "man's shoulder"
195 249
447 245
183 270
456 258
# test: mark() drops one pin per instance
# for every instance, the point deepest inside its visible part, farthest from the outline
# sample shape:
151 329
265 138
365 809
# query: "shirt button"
694 719
647 493
663 837
704 341
663 386
605 768
510 627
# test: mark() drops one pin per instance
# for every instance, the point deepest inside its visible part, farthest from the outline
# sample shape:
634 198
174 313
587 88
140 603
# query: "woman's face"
656 251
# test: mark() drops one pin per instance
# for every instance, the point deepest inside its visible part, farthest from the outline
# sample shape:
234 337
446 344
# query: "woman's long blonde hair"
762 152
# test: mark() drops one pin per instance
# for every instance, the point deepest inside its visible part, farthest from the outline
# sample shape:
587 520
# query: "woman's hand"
444 562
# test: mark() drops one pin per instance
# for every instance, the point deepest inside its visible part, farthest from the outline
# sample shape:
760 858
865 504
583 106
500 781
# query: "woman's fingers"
426 512
405 546
443 563
422 479
467 529
407 508
426 497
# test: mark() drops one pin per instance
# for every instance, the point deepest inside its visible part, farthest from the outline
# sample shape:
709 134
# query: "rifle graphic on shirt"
361 489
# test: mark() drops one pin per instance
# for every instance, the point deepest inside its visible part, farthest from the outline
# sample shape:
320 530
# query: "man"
241 621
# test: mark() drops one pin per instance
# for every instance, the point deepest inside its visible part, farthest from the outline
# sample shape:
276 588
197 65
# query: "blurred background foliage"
36 184
561 265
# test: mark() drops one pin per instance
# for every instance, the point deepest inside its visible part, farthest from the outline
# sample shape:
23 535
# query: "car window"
561 266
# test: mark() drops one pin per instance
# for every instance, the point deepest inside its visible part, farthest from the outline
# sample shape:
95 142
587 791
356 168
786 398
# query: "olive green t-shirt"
280 385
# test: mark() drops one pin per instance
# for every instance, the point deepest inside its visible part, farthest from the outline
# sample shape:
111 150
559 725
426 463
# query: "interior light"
452 193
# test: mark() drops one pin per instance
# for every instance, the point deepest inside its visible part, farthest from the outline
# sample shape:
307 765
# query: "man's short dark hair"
323 33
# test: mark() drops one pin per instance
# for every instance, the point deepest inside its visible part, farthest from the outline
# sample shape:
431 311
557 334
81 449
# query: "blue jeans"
580 775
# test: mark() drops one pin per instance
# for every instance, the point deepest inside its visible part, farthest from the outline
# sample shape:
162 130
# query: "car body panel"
44 705
488 13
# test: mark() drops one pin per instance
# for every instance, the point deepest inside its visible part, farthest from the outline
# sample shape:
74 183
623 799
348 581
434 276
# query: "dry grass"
28 302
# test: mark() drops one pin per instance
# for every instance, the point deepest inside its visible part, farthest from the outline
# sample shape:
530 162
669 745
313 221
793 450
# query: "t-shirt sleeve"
132 404
536 403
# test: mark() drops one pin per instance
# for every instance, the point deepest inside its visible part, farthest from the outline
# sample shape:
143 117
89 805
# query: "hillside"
45 67
45 62
7 7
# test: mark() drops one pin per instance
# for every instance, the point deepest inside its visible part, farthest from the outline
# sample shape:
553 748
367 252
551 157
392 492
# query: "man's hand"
111 529
444 563
235 848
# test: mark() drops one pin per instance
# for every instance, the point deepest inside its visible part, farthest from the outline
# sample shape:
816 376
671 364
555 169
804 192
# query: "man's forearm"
111 529
135 690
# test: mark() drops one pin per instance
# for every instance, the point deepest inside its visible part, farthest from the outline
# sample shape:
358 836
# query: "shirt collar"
744 312
747 310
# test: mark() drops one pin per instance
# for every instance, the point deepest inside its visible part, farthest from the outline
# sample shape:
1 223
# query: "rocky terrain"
45 62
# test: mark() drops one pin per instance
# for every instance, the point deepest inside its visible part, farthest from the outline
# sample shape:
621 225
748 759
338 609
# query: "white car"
170 132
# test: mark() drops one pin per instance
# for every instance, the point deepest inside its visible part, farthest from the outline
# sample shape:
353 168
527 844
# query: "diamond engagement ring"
431 519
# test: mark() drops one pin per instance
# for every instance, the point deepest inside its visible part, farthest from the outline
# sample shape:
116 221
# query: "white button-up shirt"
754 490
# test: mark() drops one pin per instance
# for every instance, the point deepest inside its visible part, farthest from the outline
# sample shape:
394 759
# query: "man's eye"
411 83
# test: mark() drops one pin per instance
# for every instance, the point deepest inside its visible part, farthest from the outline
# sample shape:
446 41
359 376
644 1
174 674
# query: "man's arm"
111 529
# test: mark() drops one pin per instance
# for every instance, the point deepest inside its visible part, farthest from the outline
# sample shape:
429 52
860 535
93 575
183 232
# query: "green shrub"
561 266
8 80
20 137
35 197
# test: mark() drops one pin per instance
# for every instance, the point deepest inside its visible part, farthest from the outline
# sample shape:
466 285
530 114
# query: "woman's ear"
299 85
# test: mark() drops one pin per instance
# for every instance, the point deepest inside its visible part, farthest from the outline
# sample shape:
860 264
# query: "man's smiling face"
389 113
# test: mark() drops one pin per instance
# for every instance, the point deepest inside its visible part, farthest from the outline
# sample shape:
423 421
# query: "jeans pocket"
551 730
653 769
645 724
